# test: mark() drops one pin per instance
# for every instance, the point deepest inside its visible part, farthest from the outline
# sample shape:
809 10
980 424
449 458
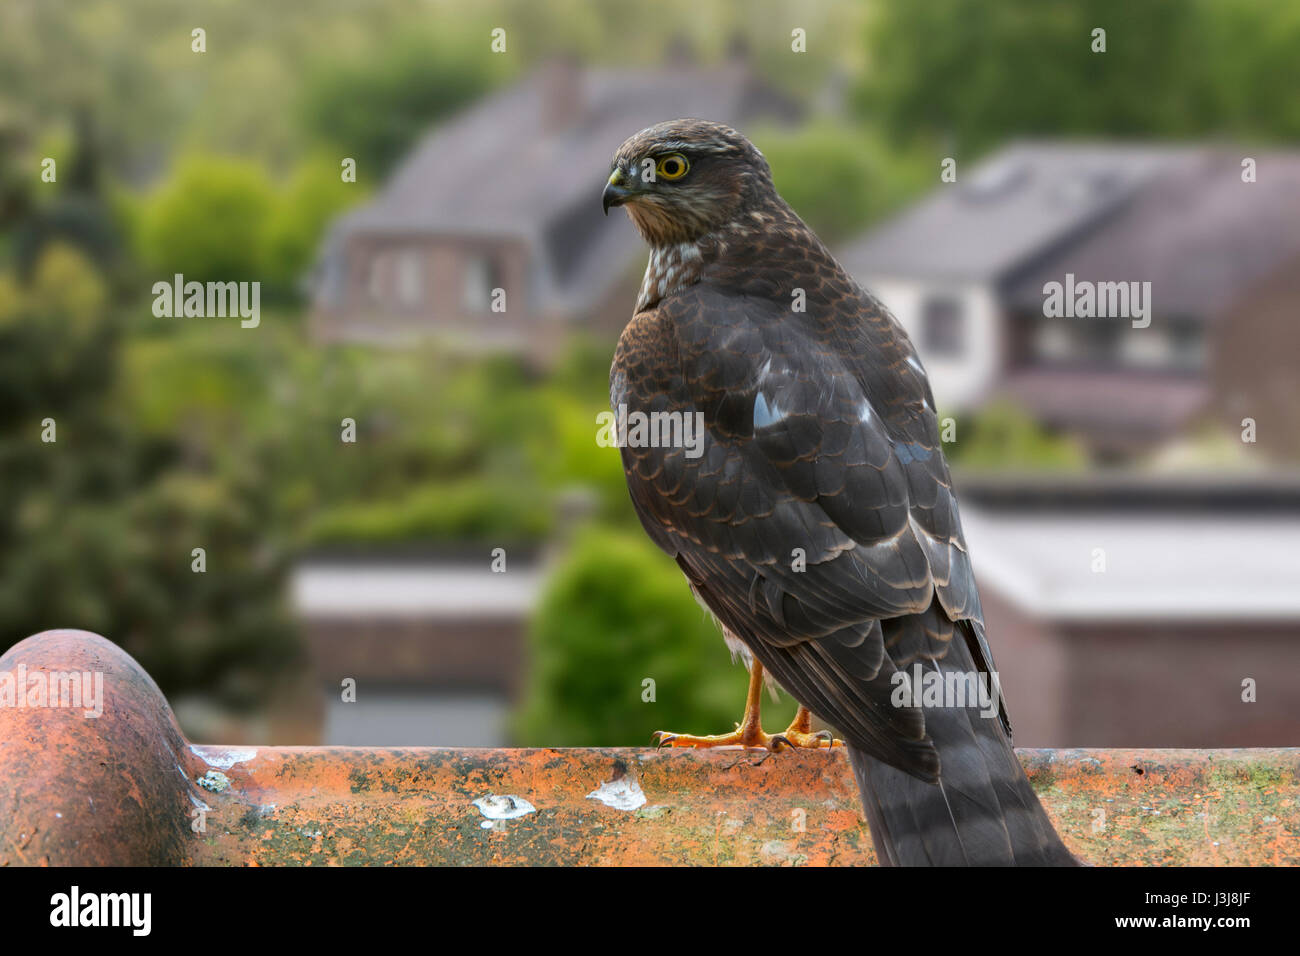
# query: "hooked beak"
615 193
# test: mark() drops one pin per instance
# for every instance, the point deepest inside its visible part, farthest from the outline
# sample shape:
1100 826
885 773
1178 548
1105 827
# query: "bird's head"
684 178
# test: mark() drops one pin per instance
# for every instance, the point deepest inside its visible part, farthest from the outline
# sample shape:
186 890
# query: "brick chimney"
561 84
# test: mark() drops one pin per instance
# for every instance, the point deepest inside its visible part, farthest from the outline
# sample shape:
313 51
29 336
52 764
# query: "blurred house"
1127 612
965 270
1253 373
435 644
507 197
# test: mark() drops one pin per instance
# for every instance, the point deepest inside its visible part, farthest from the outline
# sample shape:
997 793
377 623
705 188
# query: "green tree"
374 106
975 72
71 211
309 202
99 525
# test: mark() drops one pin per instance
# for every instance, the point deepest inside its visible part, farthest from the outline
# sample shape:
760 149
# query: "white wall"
957 382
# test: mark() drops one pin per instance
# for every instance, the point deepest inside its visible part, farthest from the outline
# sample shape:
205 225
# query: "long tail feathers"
982 812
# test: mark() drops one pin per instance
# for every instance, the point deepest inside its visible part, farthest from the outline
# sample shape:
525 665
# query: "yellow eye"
673 166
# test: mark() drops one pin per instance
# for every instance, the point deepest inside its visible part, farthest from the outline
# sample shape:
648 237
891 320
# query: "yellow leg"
749 732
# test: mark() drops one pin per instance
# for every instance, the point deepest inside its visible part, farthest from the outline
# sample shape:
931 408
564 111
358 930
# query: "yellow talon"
749 732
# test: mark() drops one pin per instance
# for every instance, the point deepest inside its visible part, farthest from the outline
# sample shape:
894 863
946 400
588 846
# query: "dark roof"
1009 209
1177 216
1197 233
506 168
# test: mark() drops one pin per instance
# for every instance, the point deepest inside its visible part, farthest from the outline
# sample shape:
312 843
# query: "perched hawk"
816 517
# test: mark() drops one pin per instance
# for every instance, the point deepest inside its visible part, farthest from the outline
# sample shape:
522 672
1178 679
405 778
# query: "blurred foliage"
1002 436
840 177
71 211
99 524
209 220
312 198
372 108
446 449
976 73
53 334
1206 446
617 613
219 217
468 509
359 80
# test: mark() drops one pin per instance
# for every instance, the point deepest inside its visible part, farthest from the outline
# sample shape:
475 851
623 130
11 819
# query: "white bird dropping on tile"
503 806
621 794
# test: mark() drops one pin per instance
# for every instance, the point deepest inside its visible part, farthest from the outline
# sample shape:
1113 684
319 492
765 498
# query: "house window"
1147 348
1187 344
1101 341
409 281
1053 342
375 279
943 332
481 277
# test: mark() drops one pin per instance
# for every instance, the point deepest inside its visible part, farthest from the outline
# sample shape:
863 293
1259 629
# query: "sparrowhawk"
816 518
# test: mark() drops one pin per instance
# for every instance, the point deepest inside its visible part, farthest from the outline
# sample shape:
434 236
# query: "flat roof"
413 589
1167 566
1173 565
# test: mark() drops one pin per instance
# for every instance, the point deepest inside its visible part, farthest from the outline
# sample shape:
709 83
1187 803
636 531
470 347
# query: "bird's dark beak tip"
612 196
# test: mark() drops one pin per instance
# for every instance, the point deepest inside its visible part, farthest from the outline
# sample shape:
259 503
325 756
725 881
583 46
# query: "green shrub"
309 202
468 509
209 221
616 613
1002 436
